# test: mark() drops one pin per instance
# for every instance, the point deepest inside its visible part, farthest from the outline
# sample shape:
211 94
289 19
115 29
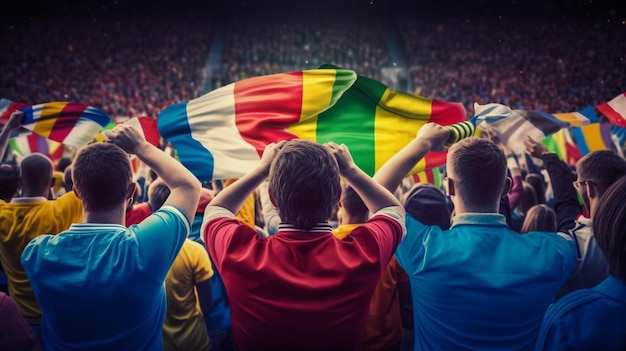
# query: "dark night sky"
16 9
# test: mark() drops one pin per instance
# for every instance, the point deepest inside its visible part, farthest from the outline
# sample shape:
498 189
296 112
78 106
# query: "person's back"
301 288
100 285
595 319
26 218
478 285
188 291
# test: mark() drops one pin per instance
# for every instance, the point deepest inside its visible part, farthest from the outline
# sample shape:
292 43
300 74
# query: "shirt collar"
28 199
495 219
90 227
613 287
322 227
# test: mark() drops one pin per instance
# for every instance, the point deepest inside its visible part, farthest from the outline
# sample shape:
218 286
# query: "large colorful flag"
222 134
31 143
615 110
146 126
514 125
68 123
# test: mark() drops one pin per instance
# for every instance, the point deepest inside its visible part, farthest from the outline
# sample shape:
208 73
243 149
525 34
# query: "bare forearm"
390 175
234 195
184 186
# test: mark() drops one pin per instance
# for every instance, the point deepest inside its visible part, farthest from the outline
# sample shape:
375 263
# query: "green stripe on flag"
351 121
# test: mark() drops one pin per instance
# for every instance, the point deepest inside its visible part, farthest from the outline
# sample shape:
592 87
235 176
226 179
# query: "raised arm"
566 204
15 121
184 186
374 195
431 137
234 195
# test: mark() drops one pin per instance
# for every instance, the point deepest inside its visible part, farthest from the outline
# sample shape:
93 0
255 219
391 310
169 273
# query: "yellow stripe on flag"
317 94
593 137
50 110
398 118
575 119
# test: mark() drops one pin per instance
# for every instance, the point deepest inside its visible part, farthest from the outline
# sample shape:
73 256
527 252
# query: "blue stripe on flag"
28 115
590 113
579 138
173 125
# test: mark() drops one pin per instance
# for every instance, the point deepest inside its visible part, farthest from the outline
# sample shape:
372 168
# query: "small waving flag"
71 124
593 137
514 125
31 143
615 110
7 107
579 118
146 126
222 134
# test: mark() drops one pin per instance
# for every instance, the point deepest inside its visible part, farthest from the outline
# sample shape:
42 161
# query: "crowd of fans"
552 65
255 45
126 68
137 67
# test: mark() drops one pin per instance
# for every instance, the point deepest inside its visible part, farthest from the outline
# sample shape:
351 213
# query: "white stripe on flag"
213 124
619 105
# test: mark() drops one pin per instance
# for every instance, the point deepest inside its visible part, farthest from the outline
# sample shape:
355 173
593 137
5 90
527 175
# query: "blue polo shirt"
479 285
101 286
587 319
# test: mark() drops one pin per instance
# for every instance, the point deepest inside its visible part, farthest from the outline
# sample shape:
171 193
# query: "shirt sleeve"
160 237
386 227
411 250
566 204
218 228
18 334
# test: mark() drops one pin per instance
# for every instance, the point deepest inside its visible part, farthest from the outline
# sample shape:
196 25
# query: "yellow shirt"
184 327
22 220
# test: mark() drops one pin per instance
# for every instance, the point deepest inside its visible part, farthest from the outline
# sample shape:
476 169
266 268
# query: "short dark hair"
602 167
428 204
352 202
158 192
102 175
304 183
539 218
481 168
9 181
609 225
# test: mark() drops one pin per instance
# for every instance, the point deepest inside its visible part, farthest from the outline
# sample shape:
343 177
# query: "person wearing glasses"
595 319
594 174
478 285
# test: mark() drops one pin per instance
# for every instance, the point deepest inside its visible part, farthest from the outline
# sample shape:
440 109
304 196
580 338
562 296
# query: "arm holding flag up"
15 121
431 137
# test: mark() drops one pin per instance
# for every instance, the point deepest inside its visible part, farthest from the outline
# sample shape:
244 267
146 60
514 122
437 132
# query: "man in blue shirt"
477 285
99 284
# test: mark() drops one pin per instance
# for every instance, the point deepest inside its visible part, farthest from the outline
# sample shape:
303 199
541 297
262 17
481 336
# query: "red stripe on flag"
33 144
66 120
14 106
435 159
259 119
445 113
150 130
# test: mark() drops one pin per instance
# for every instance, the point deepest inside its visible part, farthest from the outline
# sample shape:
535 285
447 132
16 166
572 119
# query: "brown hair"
601 167
540 218
481 168
304 183
352 203
102 175
609 227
